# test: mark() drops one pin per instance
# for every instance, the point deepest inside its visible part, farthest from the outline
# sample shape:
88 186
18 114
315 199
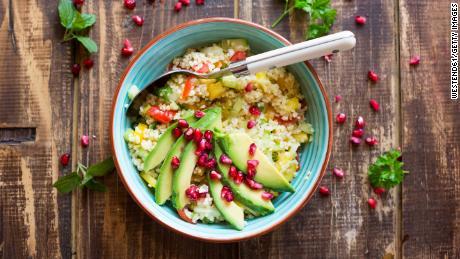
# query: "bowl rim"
226 20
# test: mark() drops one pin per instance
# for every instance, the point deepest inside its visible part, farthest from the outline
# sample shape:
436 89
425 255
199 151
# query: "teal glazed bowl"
153 60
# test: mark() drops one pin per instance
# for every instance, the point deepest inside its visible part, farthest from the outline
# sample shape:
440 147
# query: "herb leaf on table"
387 170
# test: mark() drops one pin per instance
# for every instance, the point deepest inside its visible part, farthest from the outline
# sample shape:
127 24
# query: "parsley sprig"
322 16
84 177
75 24
387 170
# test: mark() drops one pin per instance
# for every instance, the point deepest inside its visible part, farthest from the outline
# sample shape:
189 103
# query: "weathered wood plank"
35 93
342 226
111 225
431 143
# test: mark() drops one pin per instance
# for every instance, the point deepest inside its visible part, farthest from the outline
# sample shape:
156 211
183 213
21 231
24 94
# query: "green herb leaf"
67 183
67 13
95 185
387 170
102 168
88 43
83 21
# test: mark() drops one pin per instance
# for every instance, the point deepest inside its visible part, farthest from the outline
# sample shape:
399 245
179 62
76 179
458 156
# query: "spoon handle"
299 52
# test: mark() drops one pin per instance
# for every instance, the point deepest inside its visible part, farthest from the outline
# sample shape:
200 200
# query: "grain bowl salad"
219 150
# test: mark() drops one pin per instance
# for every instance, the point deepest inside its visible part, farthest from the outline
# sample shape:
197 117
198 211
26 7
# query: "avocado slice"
163 188
165 142
149 179
236 146
231 212
235 44
247 196
183 175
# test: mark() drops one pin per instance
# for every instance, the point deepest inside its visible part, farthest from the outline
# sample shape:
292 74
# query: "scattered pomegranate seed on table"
341 118
379 190
267 196
372 203
323 190
76 69
338 98
375 105
360 123
175 162
361 20
127 49
251 124
64 159
138 20
199 2
357 133
372 76
415 60
355 141
339 173
199 114
88 63
214 175
371 141
252 149
328 58
84 141
185 2
178 6
130 4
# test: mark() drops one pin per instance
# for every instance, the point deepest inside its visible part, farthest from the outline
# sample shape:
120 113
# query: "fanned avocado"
236 146
231 212
183 175
163 189
165 142
247 196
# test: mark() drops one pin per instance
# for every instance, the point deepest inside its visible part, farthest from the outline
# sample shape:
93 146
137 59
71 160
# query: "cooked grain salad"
220 149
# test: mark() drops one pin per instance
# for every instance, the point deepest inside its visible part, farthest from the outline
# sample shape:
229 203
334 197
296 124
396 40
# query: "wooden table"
44 110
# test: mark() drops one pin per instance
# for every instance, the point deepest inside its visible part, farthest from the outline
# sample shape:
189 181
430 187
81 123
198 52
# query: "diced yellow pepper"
216 90
206 81
301 137
293 104
261 75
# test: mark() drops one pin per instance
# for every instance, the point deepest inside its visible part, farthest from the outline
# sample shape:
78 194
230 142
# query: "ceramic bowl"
152 61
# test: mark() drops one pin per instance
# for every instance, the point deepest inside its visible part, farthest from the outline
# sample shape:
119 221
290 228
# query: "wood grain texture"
431 142
111 225
35 93
342 225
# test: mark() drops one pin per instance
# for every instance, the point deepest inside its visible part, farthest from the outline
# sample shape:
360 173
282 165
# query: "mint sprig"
84 177
387 170
75 24
322 16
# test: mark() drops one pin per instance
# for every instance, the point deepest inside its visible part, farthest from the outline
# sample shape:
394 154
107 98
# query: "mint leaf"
67 13
95 185
83 21
101 168
88 43
67 183
387 170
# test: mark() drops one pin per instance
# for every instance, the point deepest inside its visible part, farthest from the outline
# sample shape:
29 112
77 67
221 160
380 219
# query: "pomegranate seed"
338 98
374 104
127 49
175 162
358 133
360 123
64 159
249 87
189 133
372 203
84 141
414 61
371 141
328 58
232 172
177 132
208 135
192 192
185 2
78 2
267 196
253 184
177 6
138 20
251 173
254 110
202 145
226 194
252 163
341 118
339 173
214 175
130 4
197 135
202 194
199 114
211 163
379 190
199 2
88 63
323 190
252 149
355 141
208 146
372 76
75 69
225 159
251 124
361 20
182 123
239 177
203 160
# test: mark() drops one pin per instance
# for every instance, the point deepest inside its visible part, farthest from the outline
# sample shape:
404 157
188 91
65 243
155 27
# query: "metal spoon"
281 57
